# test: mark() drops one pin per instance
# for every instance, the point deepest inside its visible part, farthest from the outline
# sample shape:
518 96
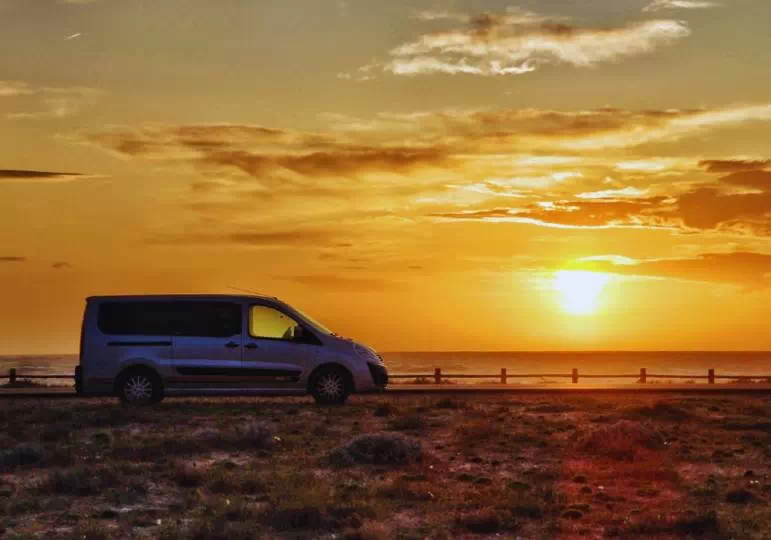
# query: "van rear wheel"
330 386
139 387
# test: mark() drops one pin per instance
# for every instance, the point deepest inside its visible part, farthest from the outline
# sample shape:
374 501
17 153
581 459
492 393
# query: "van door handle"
251 346
231 344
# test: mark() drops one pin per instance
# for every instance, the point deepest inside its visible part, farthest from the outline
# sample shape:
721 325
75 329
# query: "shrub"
484 521
90 530
185 475
410 422
385 409
623 440
552 408
20 456
257 434
689 524
378 449
449 403
80 481
294 519
474 430
662 410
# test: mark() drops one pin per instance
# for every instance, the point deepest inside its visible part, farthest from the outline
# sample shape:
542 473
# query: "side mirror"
299 333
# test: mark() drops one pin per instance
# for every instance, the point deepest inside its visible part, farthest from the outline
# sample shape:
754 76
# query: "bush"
20 456
385 409
293 519
378 449
485 521
90 530
552 408
662 410
623 440
185 475
410 422
449 403
80 481
257 434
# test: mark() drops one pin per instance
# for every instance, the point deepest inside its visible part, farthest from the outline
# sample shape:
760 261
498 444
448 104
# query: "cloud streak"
25 175
517 42
50 102
745 268
658 5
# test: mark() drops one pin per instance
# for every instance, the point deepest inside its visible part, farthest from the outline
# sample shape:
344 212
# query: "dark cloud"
742 268
61 265
263 152
711 208
330 163
733 165
754 179
12 259
24 174
320 238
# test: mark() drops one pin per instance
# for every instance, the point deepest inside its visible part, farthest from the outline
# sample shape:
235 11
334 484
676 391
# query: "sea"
418 364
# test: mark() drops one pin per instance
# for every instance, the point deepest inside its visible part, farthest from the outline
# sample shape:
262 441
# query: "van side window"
270 323
158 318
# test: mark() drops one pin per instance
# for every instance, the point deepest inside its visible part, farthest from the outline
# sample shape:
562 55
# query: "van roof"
182 297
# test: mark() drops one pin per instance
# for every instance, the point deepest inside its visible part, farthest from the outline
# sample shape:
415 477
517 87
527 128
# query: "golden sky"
437 175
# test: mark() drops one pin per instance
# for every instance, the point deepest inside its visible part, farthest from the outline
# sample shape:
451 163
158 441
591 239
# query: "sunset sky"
436 175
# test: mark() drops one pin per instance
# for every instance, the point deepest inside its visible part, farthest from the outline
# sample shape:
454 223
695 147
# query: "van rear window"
163 318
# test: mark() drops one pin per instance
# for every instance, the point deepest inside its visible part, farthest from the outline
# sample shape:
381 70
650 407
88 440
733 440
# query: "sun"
579 290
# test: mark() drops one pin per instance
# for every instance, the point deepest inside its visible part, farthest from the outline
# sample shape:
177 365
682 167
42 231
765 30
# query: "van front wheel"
330 386
139 387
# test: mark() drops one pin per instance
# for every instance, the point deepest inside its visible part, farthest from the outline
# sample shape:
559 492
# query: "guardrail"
437 376
13 377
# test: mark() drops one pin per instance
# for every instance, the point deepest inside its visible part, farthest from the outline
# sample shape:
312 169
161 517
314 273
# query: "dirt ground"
388 466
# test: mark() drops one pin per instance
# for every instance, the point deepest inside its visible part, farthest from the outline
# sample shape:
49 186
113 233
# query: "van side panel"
104 357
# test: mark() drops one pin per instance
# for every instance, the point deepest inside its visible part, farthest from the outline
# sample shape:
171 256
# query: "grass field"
388 466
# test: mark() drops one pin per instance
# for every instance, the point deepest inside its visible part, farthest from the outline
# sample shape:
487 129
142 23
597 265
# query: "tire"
331 386
139 386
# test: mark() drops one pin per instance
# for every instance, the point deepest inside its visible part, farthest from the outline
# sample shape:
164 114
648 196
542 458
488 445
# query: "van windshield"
316 324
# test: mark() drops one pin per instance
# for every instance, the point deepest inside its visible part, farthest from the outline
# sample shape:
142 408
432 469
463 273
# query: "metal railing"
503 376
642 377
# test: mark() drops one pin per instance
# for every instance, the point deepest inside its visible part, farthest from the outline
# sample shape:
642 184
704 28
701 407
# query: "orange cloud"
743 268
734 165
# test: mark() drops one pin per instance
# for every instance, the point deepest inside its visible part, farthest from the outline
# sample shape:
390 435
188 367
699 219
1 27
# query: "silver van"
142 348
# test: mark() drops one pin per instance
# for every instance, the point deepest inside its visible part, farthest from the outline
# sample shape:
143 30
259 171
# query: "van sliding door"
208 345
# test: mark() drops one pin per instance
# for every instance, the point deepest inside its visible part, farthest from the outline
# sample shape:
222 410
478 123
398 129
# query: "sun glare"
579 290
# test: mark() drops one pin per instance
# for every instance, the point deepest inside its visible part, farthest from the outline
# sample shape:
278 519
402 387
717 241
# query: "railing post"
643 375
711 376
575 375
12 376
438 375
503 375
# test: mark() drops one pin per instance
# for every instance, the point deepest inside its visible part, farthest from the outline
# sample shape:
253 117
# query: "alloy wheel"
138 388
331 386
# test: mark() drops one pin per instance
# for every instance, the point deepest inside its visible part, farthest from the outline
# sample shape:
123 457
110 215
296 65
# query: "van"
142 348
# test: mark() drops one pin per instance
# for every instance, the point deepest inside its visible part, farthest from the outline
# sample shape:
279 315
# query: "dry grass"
468 466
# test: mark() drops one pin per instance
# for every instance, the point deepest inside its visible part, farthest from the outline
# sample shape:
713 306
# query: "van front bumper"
379 374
